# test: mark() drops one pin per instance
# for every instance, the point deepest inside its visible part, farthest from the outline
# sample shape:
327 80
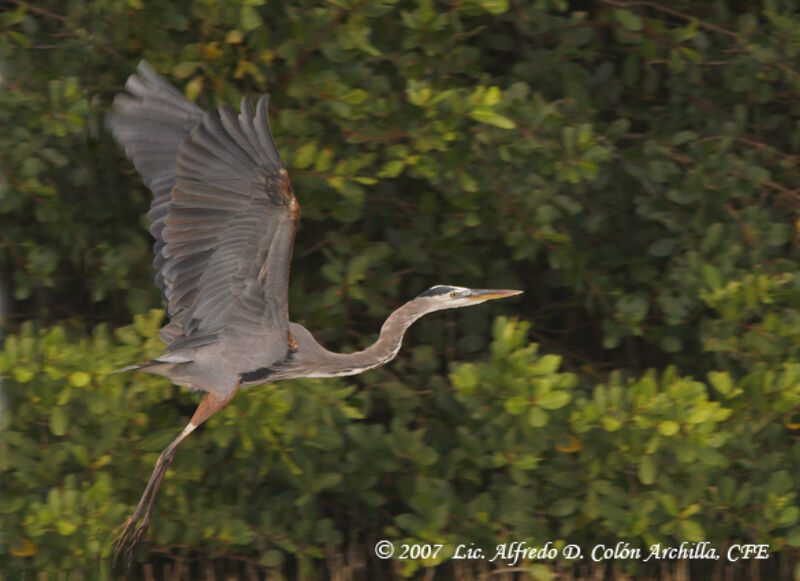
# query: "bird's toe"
128 541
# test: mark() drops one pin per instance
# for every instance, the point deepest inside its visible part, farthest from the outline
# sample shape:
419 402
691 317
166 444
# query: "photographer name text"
513 553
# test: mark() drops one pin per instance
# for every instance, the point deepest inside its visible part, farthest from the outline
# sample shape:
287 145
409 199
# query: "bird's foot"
128 540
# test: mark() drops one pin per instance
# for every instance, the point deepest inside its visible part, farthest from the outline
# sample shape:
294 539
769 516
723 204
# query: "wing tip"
145 69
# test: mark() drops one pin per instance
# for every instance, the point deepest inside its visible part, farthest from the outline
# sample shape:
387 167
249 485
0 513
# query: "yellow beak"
484 294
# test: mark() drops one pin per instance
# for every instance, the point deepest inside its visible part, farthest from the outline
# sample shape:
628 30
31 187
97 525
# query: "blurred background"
632 165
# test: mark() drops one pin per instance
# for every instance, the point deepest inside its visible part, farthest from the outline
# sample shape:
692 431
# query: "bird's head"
449 297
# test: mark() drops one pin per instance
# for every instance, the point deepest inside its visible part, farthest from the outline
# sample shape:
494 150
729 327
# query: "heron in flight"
224 218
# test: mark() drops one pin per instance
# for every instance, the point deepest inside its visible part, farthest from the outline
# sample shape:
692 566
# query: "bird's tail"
169 358
138 366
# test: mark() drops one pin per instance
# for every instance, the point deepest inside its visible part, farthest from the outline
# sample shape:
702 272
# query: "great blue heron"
224 218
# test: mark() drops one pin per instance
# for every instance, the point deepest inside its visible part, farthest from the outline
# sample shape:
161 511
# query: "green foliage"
510 448
631 166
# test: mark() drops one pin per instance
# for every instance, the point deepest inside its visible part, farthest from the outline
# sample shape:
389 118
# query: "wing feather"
150 122
224 215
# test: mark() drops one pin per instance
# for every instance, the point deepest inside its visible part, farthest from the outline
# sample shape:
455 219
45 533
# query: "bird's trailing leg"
131 535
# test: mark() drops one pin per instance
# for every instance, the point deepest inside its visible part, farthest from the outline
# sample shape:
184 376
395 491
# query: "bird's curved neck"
382 351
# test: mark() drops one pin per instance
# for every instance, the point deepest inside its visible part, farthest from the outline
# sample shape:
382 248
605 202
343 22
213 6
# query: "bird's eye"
453 294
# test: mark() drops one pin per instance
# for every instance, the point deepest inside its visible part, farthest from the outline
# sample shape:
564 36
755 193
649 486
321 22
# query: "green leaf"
465 378
631 70
647 470
632 309
491 97
689 530
537 418
516 405
193 88
234 37
789 516
249 18
58 421
527 462
662 247
80 378
546 365
721 381
327 481
22 374
392 169
494 6
668 428
683 136
553 400
628 19
711 276
185 69
563 507
355 97
65 527
485 115
305 156
324 160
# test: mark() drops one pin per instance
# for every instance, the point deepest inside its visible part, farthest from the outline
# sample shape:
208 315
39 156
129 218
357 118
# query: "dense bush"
631 165
509 448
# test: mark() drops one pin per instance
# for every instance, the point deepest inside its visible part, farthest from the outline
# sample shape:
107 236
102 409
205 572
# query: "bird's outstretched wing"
150 122
225 229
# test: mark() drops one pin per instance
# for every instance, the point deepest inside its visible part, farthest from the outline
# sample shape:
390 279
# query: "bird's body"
224 218
217 367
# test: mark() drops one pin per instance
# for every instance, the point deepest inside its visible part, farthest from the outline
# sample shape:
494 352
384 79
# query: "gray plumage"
224 218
